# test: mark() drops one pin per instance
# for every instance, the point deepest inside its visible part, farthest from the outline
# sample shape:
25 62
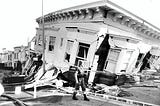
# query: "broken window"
112 59
139 60
68 50
145 61
52 40
82 52
126 59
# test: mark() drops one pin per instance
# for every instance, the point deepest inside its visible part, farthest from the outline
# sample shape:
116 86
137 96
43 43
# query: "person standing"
79 79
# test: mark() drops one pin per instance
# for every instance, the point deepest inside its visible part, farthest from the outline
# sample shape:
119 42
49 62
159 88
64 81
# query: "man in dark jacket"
79 78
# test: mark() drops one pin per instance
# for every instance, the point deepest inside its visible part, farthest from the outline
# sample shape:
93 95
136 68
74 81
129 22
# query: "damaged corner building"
110 42
103 36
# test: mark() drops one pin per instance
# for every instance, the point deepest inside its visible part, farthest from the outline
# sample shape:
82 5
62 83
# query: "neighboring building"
9 59
102 34
6 58
20 55
16 55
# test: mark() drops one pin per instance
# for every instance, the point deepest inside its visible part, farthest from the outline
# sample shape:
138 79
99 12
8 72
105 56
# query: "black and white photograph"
79 53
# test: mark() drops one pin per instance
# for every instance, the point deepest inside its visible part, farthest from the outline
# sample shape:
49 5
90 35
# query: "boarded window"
139 60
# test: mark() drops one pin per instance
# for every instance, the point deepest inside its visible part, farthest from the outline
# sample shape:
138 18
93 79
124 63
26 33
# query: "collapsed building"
103 35
107 39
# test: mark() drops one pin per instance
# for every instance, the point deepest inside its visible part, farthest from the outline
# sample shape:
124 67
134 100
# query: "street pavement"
53 97
49 97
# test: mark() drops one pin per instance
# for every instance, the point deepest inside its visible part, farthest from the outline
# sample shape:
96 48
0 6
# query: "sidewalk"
30 94
53 97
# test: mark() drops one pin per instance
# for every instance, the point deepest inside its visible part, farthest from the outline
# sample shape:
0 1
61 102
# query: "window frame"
51 43
78 58
110 61
65 57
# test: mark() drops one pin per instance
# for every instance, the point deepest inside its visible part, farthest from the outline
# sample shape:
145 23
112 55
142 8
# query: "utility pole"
43 39
43 53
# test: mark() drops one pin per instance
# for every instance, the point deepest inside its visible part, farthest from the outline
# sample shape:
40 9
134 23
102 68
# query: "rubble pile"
111 84
106 78
119 85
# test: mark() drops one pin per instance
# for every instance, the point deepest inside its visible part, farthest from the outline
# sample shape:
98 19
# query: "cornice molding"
100 12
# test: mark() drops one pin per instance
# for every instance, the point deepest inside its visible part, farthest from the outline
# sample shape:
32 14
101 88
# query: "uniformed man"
79 78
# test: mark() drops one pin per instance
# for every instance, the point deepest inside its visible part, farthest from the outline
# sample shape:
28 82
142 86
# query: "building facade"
11 58
101 34
20 56
6 58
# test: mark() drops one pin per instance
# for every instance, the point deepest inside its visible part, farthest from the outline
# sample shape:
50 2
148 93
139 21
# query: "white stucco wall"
57 57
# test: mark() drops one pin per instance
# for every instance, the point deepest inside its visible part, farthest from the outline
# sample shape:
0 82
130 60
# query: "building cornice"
98 11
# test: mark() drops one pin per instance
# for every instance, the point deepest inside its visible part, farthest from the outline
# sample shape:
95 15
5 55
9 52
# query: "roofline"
130 13
82 6
86 5
107 3
110 5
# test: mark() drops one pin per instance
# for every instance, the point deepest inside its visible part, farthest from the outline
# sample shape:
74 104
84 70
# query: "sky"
18 17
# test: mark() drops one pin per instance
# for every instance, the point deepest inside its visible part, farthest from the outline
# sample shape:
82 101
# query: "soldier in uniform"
79 78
